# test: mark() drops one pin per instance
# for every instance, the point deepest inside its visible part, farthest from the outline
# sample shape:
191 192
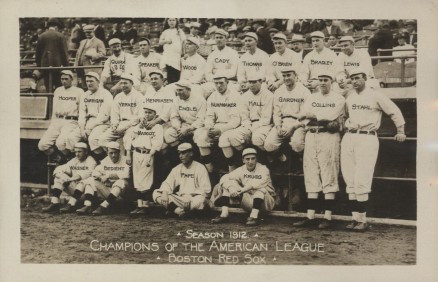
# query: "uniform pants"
58 134
59 183
235 137
95 134
273 141
94 186
109 135
321 162
197 202
143 175
358 159
171 135
259 135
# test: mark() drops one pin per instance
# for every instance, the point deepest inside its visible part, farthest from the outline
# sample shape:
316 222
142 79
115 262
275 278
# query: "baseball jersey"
222 110
66 101
359 58
226 60
364 110
95 105
115 66
126 107
193 68
315 61
288 103
258 178
278 62
327 107
256 110
164 98
114 171
250 63
192 180
191 111
146 65
143 138
74 167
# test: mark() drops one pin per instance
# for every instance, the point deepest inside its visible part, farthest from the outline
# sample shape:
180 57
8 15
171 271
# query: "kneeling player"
109 180
187 186
252 182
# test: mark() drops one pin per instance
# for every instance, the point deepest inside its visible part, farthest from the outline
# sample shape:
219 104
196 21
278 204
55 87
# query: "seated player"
70 178
251 183
144 143
109 180
187 187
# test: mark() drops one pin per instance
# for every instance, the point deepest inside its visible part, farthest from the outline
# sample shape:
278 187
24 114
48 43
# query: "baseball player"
360 144
193 66
281 59
116 65
352 58
223 58
108 180
147 61
288 100
297 45
144 143
251 183
221 116
124 112
254 60
60 137
187 114
321 113
70 178
94 113
193 181
319 59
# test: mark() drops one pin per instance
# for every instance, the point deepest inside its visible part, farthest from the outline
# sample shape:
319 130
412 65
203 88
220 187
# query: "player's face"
149 114
250 43
114 155
325 84
255 86
171 22
250 161
289 78
221 85
280 45
126 85
92 83
195 31
185 156
156 81
190 47
89 34
183 93
66 80
144 48
220 40
358 81
297 46
81 154
347 47
317 42
116 49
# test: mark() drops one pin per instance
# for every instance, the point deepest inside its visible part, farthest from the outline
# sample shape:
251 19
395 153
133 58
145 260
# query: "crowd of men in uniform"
326 106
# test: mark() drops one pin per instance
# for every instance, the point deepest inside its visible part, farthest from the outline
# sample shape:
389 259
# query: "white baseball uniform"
253 63
145 66
279 62
315 61
114 67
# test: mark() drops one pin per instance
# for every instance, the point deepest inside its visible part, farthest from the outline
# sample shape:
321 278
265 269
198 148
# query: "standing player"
108 180
193 66
281 59
322 112
360 144
61 135
147 61
192 179
144 143
252 182
297 43
94 113
70 178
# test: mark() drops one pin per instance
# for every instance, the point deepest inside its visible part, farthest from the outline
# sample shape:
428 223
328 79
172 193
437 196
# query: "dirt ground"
120 239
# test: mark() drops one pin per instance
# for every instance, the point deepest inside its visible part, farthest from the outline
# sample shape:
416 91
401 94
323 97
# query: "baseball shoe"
251 221
351 225
85 210
325 224
52 208
361 226
68 209
100 211
135 212
306 223
219 219
142 211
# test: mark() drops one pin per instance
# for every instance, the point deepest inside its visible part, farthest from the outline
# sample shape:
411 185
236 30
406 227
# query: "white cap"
220 74
221 32
67 72
93 74
252 35
317 34
89 27
150 106
298 38
347 38
184 147
195 24
81 145
113 145
280 36
249 151
289 69
184 83
326 73
357 71
194 40
114 41
156 71
127 76
255 75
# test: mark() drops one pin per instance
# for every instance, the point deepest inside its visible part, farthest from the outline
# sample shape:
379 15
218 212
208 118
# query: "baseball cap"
326 73
357 71
289 69
88 27
232 29
254 76
194 40
144 40
347 38
297 38
184 83
246 28
317 34
221 32
114 41
156 71
273 29
113 145
127 76
280 36
249 151
67 72
81 145
252 35
195 24
220 74
150 106
93 74
184 147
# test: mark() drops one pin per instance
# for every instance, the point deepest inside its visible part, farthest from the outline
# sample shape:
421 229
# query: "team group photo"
145 130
